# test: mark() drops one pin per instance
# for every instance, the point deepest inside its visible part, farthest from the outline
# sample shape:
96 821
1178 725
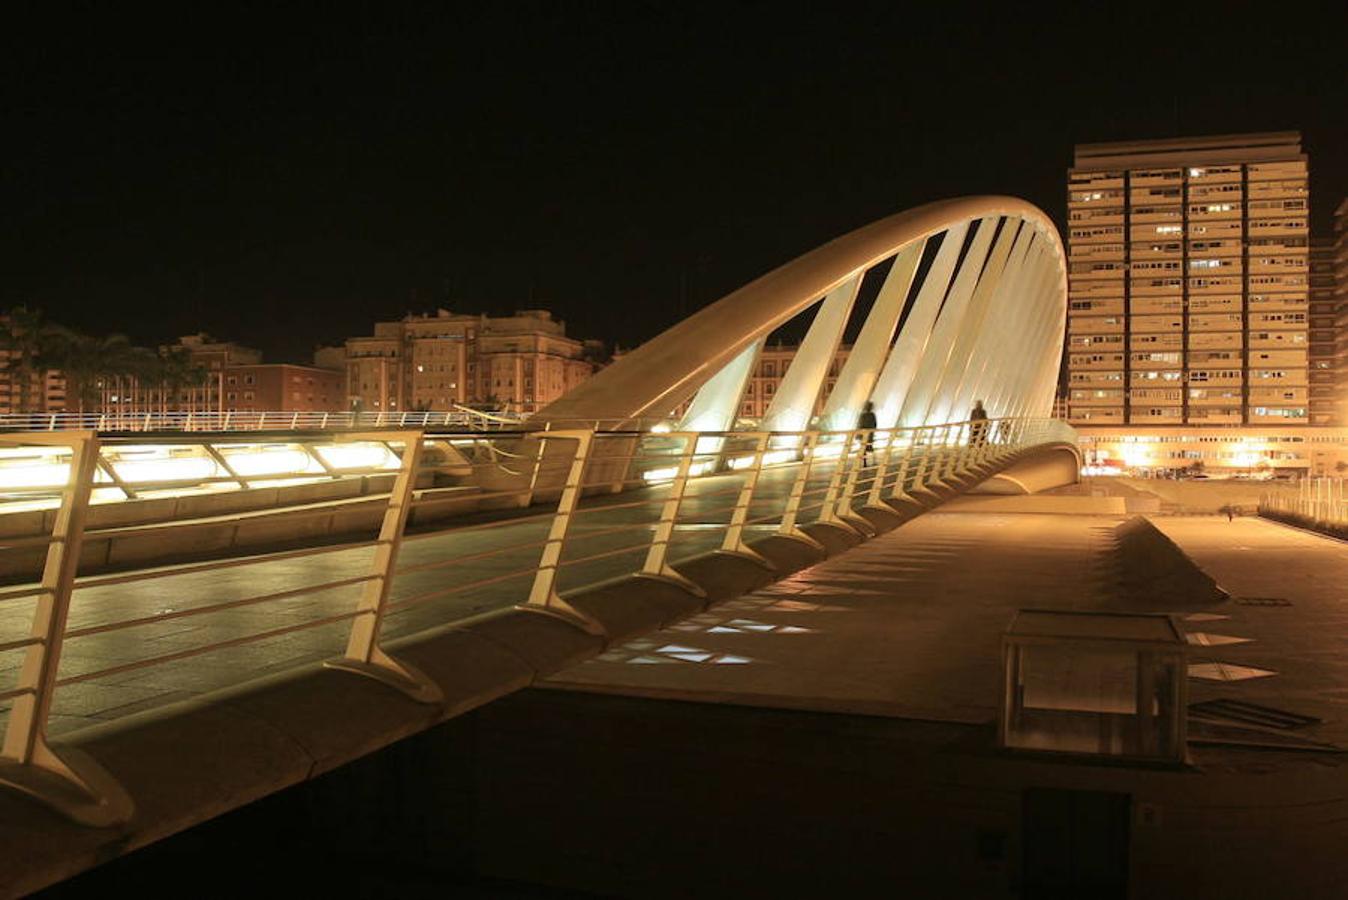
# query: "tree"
90 364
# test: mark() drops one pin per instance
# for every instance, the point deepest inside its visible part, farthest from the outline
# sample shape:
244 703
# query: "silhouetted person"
978 425
866 425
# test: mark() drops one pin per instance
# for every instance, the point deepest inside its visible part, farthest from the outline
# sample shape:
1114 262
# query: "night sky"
288 182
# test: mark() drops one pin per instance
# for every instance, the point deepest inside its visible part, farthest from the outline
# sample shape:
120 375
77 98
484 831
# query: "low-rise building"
771 368
1252 451
282 387
521 362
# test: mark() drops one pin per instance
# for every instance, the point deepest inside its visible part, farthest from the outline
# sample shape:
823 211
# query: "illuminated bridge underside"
979 284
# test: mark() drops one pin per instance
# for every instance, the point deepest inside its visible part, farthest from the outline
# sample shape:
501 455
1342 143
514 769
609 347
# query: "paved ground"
907 625
910 624
706 508
1265 566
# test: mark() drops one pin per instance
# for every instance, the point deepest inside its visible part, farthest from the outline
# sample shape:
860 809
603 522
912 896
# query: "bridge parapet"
576 510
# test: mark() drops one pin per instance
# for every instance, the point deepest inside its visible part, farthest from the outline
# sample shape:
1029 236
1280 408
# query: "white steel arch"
984 322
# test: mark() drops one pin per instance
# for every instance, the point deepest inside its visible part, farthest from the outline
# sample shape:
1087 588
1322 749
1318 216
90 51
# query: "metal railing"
155 466
1321 501
234 420
572 509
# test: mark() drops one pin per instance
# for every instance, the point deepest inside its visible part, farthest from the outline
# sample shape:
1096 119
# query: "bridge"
198 618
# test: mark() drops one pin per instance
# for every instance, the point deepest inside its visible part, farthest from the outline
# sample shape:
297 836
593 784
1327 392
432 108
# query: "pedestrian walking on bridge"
866 427
978 425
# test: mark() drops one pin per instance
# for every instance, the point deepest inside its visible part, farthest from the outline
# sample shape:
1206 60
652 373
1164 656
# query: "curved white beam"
666 371
793 406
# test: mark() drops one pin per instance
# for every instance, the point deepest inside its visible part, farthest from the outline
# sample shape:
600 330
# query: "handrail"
260 420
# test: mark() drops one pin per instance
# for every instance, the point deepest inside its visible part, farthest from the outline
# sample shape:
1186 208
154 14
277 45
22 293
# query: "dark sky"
288 181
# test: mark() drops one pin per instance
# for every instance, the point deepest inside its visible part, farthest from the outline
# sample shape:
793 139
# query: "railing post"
323 425
963 435
900 488
733 543
657 565
788 528
294 421
919 477
881 472
942 458
73 784
543 593
838 500
364 656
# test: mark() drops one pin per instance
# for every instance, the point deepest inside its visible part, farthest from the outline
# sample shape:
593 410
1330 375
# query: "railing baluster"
90 796
543 593
734 542
363 653
788 527
656 565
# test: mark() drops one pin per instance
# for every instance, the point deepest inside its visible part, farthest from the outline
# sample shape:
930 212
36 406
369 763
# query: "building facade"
1189 282
1324 389
1341 309
773 362
44 393
1267 451
214 358
282 387
26 387
521 362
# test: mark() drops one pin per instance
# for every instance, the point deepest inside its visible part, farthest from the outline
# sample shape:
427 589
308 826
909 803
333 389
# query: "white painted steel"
911 347
792 407
944 326
857 380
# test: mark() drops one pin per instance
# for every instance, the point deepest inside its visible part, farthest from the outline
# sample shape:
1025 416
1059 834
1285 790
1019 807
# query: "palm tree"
90 364
179 373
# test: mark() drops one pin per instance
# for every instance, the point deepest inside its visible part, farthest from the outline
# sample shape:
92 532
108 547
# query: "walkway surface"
909 625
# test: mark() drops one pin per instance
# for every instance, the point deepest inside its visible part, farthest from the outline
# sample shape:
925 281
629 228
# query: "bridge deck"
702 517
909 625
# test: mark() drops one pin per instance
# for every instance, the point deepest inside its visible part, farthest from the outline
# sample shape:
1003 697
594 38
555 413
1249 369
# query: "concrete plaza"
909 625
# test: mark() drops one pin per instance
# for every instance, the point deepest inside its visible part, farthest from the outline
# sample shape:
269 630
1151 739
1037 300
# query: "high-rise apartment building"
1188 282
1341 309
1324 390
524 361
